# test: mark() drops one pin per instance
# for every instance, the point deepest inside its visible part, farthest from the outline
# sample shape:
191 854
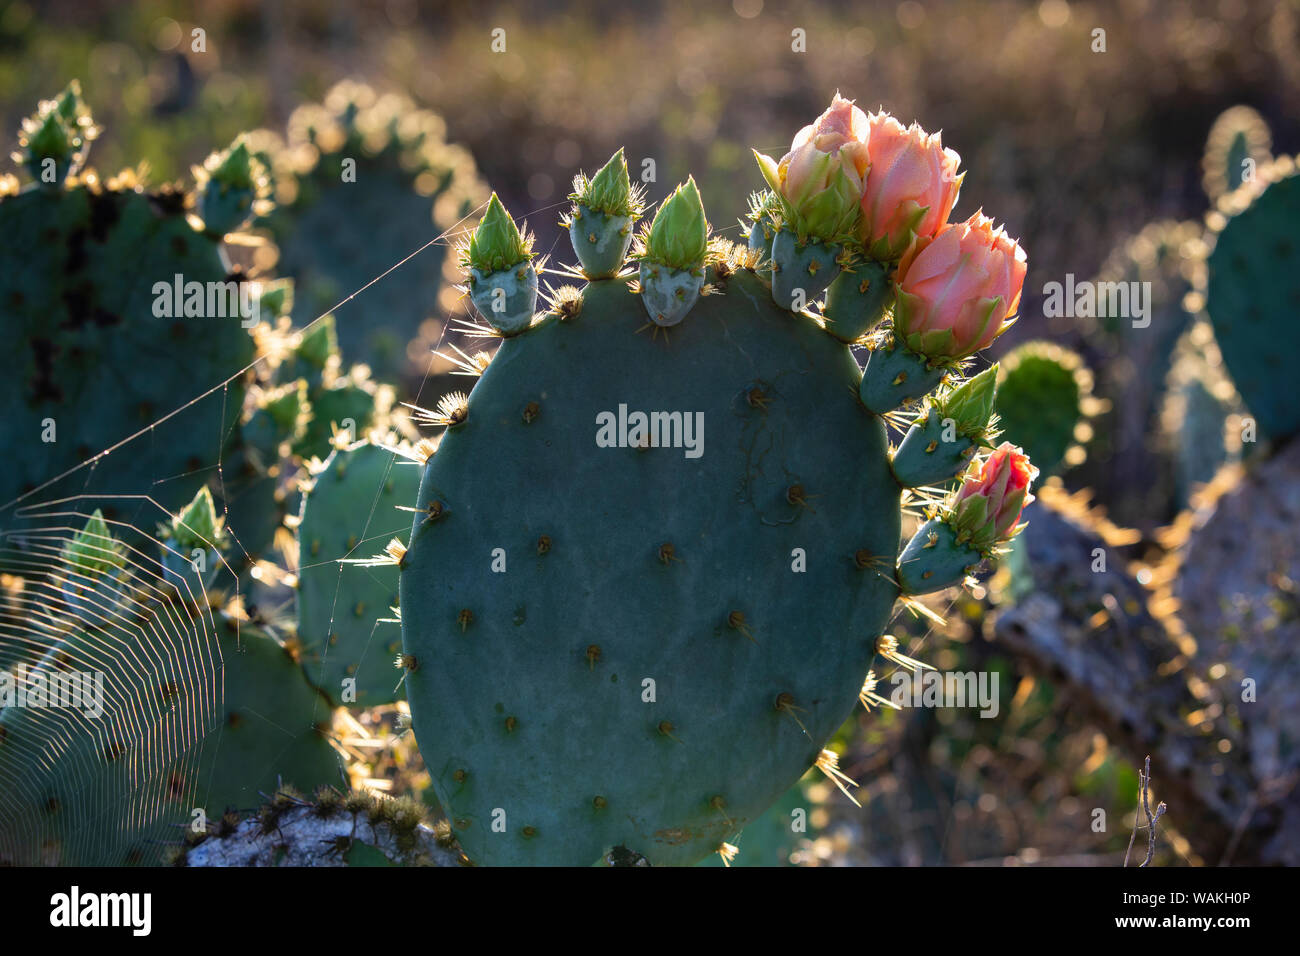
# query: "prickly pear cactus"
106 285
1044 392
347 649
1251 287
655 551
365 181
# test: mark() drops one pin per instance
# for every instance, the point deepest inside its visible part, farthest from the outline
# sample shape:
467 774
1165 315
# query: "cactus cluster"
660 538
260 702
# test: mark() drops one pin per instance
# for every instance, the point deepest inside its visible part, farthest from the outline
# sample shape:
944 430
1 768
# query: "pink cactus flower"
911 188
987 507
960 290
821 178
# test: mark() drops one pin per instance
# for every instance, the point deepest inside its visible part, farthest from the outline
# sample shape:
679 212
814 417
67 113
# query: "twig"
1144 780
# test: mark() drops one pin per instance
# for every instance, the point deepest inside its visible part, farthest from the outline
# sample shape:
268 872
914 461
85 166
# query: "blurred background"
1078 151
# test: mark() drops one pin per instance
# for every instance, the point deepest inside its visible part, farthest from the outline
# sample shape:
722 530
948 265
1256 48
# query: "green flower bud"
49 137
233 168
679 235
286 404
60 130
970 405
497 243
609 191
277 298
73 110
198 525
92 549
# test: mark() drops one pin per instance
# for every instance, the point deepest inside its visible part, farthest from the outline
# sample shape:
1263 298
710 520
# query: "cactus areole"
696 626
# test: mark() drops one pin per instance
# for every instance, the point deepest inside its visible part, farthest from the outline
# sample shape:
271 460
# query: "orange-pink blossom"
960 290
910 189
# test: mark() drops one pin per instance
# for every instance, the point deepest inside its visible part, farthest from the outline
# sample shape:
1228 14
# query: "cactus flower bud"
679 235
497 243
233 185
960 290
970 405
820 180
198 526
910 189
92 549
986 509
54 142
502 277
609 191
600 223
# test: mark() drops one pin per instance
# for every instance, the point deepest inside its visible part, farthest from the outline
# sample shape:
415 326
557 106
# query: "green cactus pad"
187 713
934 559
340 606
1198 403
92 354
363 182
857 298
274 728
801 269
1043 393
895 375
351 404
627 565
773 838
1252 286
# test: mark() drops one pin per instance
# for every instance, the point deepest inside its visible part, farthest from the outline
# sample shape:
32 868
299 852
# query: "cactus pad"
1252 287
339 606
1043 398
365 181
647 622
